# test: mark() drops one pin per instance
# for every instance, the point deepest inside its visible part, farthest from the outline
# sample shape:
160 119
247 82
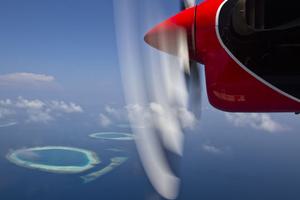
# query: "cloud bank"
257 121
104 120
37 110
25 78
211 149
4 112
153 111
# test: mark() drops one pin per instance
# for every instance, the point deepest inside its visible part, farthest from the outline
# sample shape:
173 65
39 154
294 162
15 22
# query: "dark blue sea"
248 165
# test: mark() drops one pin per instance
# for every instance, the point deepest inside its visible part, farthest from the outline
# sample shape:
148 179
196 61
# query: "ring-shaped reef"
112 136
55 159
8 124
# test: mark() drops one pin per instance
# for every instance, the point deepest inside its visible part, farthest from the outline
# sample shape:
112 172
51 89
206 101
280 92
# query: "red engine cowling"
231 86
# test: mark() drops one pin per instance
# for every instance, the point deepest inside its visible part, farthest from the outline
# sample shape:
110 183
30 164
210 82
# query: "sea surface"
127 181
246 164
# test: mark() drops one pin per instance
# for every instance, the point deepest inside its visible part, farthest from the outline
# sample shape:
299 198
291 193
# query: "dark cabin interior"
265 36
268 14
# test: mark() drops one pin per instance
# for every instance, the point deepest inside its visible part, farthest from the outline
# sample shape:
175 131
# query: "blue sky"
73 41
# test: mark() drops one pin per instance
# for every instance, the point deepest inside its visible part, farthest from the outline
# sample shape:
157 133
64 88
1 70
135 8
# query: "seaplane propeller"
162 92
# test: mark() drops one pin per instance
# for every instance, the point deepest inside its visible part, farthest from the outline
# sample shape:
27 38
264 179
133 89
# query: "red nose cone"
168 35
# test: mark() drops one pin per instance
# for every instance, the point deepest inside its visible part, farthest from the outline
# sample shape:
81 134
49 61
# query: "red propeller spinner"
165 36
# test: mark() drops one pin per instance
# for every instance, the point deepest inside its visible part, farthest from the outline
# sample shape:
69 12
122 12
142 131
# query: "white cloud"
104 120
25 78
29 104
6 102
154 111
211 149
255 120
37 110
36 116
187 118
137 110
117 113
65 107
111 115
137 114
4 112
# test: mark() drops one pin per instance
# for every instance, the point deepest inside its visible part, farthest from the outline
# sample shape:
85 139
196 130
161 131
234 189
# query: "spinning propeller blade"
159 97
176 36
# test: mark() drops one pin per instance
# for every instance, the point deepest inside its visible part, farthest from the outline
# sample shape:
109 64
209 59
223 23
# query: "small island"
112 136
54 159
114 163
